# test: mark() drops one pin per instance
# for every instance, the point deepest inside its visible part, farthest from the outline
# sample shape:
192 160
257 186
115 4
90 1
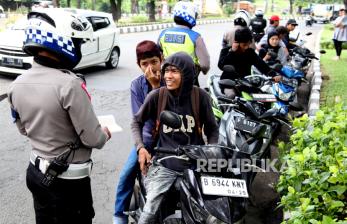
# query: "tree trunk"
345 3
116 9
266 5
291 3
56 3
68 2
78 4
93 4
134 6
151 11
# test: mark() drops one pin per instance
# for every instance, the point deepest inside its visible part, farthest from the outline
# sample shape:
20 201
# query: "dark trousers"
338 47
64 202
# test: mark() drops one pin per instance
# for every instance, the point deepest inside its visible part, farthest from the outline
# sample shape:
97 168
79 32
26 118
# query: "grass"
334 73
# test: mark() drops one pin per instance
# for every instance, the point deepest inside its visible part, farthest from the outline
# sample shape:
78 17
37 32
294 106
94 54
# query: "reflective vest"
177 39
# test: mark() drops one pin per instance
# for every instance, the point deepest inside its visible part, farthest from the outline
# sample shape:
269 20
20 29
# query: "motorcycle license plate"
264 97
224 187
247 125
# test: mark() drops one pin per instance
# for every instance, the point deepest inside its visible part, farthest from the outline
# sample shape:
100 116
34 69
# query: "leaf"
339 189
324 176
327 220
333 169
336 204
291 190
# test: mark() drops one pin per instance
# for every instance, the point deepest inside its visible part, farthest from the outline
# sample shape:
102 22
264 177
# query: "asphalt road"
110 95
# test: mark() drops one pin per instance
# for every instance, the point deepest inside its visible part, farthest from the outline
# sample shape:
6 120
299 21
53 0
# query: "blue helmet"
61 37
186 11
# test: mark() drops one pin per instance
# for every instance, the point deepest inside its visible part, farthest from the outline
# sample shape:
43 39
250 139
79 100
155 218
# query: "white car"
103 48
2 12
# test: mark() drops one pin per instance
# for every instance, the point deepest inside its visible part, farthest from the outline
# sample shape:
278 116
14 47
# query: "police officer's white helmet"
242 18
187 11
259 13
59 32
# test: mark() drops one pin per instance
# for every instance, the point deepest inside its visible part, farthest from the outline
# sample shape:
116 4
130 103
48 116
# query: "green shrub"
139 19
228 9
329 44
314 183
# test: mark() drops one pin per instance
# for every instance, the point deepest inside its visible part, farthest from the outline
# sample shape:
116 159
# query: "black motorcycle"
201 195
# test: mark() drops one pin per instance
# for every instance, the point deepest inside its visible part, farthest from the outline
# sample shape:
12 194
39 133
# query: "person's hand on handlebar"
144 159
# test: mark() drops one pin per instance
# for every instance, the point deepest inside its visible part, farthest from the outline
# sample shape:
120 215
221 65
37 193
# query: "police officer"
183 38
51 106
258 24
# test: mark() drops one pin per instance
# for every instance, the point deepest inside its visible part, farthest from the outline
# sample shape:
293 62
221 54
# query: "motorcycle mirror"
170 119
229 69
308 34
322 52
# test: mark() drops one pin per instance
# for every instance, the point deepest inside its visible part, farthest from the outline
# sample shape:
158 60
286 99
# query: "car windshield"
20 24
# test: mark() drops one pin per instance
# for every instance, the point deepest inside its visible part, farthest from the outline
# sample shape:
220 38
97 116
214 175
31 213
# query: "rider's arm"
147 111
135 96
202 54
282 56
223 56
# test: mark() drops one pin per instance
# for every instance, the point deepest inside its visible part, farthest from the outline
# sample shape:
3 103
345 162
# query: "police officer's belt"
75 171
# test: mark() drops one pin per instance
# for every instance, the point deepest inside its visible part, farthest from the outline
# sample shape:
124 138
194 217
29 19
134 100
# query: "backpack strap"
163 95
195 98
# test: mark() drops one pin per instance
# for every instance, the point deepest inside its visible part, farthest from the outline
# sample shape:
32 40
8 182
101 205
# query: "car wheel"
114 59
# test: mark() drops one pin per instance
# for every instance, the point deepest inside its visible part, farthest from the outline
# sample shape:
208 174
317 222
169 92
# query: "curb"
144 28
313 102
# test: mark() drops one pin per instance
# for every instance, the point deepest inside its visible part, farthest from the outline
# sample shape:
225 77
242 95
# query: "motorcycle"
300 56
199 195
309 20
259 88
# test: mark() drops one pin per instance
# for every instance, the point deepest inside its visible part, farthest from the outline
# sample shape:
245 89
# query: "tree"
134 6
116 6
79 2
56 3
291 3
345 3
151 10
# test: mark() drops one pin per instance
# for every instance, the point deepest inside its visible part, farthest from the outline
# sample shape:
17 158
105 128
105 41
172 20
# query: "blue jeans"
126 183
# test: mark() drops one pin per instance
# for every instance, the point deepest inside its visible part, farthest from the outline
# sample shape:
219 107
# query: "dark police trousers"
64 202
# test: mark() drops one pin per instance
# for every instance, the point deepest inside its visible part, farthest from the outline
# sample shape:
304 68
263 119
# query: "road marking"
109 122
